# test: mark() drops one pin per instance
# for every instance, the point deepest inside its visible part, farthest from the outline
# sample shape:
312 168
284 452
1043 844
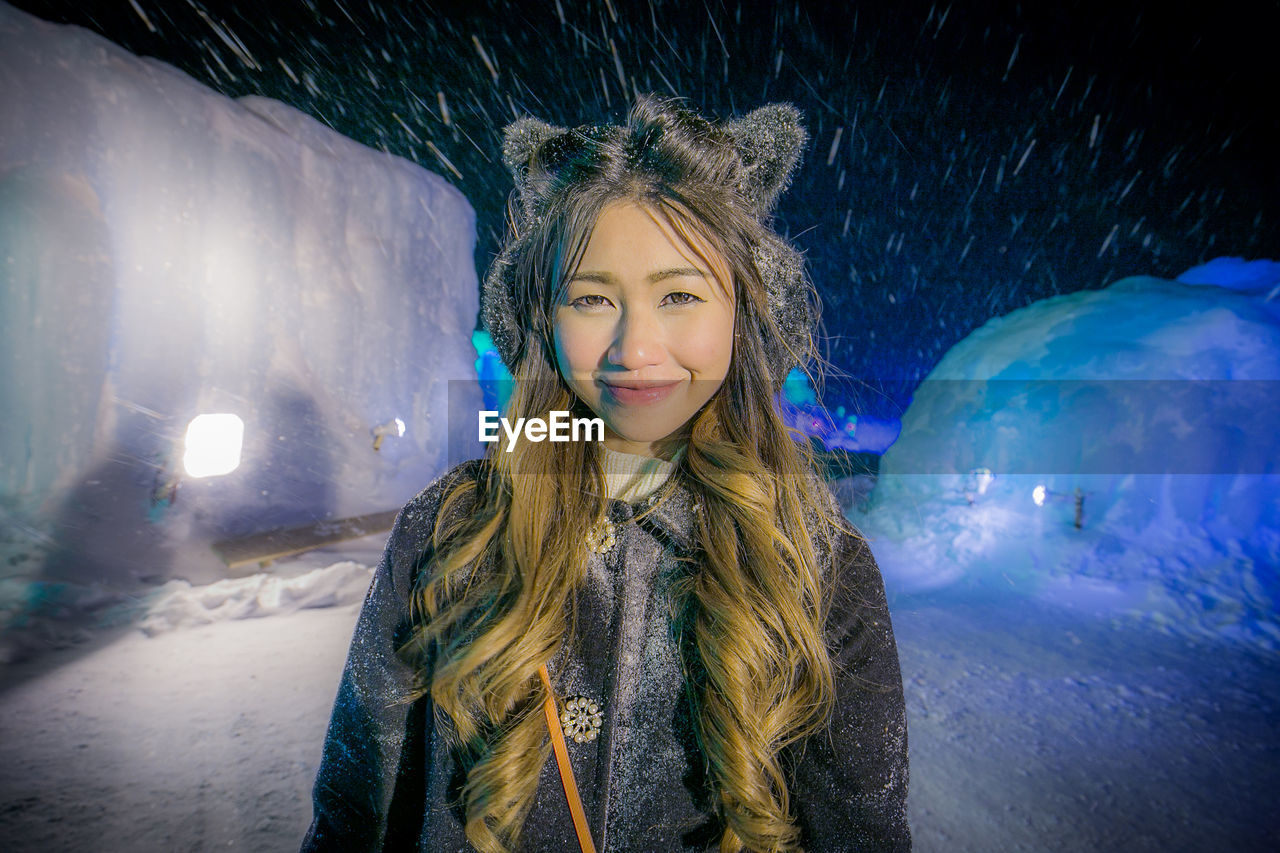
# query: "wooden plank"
262 548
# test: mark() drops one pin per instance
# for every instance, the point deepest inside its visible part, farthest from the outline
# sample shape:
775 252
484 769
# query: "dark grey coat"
387 780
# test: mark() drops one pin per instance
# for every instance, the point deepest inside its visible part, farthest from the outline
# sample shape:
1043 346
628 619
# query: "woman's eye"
591 300
681 297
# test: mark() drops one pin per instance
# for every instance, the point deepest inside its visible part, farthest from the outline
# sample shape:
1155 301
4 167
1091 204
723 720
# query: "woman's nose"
637 342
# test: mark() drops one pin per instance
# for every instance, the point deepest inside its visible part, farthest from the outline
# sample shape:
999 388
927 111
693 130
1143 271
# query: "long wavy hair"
495 588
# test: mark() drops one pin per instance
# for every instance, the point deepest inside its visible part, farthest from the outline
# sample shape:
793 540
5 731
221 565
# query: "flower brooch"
581 719
602 536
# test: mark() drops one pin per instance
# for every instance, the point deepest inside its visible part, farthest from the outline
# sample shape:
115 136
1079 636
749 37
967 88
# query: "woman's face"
644 332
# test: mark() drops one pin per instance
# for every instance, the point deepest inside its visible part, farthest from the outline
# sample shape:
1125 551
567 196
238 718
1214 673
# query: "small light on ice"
213 445
982 477
395 427
1037 495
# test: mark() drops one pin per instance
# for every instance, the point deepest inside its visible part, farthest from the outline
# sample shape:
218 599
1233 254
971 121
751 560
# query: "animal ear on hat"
520 139
769 140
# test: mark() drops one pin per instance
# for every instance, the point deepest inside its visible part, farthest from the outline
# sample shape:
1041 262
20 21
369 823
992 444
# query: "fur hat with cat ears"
769 141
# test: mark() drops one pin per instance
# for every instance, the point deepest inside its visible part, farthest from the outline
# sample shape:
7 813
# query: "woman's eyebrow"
677 272
652 278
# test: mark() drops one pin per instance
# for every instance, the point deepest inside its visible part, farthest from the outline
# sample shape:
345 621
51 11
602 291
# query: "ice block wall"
166 251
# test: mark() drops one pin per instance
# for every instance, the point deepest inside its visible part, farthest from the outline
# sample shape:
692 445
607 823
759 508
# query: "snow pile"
43 616
178 604
1142 413
1237 274
169 252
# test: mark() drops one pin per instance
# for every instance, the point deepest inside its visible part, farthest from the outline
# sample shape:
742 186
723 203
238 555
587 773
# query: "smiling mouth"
639 393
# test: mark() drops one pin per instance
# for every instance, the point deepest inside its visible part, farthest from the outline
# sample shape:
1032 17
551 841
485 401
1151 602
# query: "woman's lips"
639 393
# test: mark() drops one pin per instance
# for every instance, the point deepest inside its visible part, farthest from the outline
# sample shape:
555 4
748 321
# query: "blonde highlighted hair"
496 583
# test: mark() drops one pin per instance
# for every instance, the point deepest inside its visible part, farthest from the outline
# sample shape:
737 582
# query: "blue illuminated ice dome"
1143 413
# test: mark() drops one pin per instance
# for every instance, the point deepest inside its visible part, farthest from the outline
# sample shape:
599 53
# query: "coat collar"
671 516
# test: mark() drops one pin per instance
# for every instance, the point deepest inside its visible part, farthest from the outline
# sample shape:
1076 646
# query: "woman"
715 638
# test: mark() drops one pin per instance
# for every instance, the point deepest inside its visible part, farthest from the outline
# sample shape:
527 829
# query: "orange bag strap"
566 769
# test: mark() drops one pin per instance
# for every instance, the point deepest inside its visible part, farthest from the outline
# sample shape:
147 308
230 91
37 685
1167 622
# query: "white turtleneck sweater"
630 478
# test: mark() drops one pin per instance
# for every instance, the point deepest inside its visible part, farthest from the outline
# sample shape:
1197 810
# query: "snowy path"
1030 730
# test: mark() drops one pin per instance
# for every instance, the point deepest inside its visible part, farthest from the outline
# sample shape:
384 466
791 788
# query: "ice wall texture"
1157 399
165 252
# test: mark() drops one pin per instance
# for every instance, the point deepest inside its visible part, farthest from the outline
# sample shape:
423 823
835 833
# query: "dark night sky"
966 158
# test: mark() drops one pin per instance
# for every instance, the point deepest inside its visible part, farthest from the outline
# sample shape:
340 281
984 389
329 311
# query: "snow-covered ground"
1031 728
1039 729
